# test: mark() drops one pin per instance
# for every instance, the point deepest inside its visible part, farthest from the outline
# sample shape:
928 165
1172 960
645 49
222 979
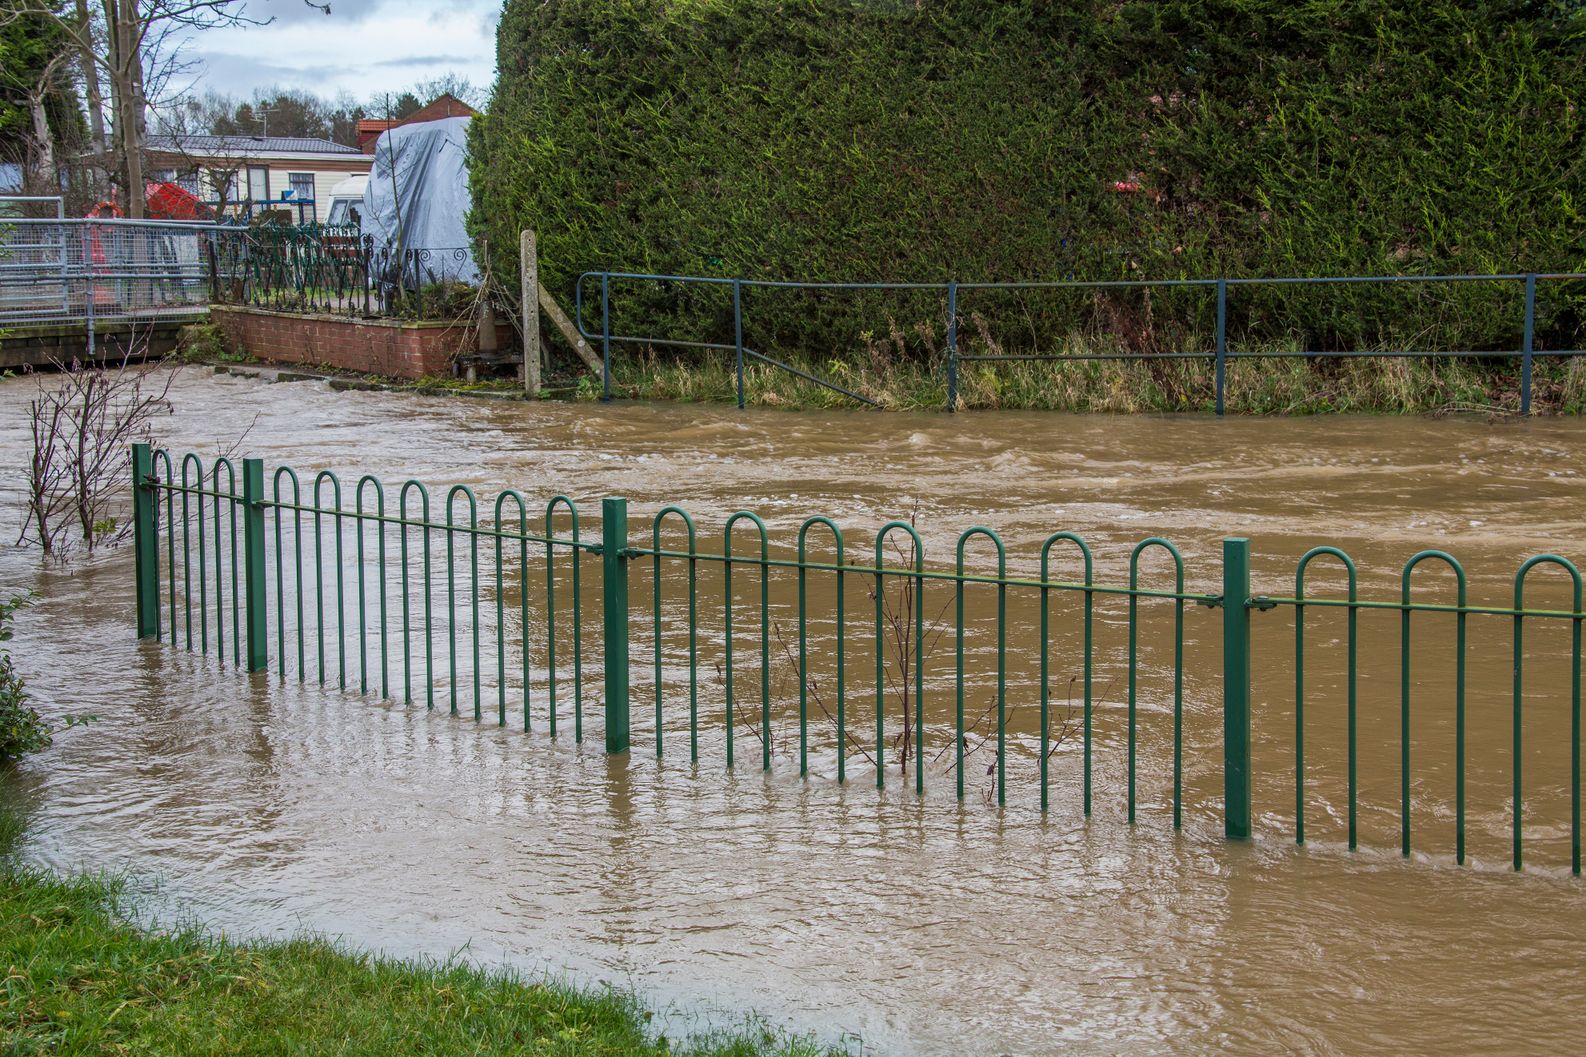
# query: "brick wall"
393 348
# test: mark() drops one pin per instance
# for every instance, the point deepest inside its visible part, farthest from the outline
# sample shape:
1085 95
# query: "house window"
224 183
258 183
302 184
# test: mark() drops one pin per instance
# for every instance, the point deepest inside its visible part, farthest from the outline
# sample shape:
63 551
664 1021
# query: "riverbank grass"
1275 386
79 979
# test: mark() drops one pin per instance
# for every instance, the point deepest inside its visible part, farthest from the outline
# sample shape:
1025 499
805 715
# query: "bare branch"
83 426
816 695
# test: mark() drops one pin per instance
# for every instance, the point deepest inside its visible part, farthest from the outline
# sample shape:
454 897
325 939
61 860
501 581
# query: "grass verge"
1397 385
81 980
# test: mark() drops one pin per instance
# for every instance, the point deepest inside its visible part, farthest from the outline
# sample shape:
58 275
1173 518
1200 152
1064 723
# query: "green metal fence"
395 600
335 269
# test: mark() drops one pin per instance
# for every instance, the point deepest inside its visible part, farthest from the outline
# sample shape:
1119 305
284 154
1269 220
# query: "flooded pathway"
912 926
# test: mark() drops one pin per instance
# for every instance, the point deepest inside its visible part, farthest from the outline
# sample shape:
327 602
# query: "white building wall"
280 181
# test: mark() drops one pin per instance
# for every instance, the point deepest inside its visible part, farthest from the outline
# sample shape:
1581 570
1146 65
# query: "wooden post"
529 268
569 331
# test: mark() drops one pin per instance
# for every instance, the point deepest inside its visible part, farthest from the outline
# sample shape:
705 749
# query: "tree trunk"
90 67
116 158
125 75
44 156
130 76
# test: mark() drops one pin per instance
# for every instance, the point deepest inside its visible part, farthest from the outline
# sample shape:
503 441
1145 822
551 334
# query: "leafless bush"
898 628
898 625
84 422
899 657
1066 726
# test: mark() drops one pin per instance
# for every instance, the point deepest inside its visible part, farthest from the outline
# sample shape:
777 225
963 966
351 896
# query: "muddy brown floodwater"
908 925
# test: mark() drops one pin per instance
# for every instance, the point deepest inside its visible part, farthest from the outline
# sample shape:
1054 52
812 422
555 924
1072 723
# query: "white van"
346 202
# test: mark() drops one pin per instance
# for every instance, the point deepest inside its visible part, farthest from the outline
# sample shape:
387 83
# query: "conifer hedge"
1041 139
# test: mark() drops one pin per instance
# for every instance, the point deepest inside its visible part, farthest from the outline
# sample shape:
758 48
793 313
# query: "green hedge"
979 140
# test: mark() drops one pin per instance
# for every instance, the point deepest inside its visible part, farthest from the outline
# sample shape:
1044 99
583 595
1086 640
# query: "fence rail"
333 270
416 579
83 270
1219 355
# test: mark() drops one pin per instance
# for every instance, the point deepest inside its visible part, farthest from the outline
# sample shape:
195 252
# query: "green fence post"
1222 344
1236 689
737 330
253 563
614 561
605 338
1528 345
952 347
145 550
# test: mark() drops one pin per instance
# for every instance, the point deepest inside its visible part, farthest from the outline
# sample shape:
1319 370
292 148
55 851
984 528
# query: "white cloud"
364 47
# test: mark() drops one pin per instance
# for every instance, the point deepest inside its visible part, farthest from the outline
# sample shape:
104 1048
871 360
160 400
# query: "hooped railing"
1220 354
218 534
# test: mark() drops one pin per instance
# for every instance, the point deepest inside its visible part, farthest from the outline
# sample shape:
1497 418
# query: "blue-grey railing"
1220 355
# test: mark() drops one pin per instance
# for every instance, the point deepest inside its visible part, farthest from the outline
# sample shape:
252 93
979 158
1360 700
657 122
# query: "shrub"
1041 140
443 299
21 729
202 343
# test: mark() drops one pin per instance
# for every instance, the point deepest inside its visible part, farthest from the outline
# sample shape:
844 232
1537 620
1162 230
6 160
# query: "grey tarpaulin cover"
422 209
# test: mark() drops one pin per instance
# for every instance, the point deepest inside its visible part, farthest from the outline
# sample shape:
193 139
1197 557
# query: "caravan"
346 203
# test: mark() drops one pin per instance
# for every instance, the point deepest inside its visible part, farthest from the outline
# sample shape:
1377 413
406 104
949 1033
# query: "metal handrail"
1220 355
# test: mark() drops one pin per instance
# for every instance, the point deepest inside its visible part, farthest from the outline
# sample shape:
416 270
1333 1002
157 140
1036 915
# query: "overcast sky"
363 46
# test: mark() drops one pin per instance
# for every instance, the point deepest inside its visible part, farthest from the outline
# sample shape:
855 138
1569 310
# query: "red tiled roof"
441 106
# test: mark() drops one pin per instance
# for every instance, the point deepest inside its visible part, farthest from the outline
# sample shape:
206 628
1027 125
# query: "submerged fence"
386 596
1566 287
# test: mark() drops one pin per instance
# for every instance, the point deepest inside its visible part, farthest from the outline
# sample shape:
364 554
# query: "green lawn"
80 980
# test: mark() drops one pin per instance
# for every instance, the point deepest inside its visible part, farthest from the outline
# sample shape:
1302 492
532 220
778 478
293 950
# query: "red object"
94 249
1126 186
169 201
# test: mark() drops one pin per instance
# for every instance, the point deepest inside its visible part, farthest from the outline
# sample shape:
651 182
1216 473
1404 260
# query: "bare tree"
899 655
84 422
136 48
898 608
220 163
450 83
901 652
90 70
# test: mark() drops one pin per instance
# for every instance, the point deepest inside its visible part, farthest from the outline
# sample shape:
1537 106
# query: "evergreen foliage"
21 729
28 43
1043 140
